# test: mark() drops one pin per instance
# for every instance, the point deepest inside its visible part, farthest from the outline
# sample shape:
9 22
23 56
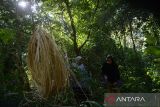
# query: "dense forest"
129 30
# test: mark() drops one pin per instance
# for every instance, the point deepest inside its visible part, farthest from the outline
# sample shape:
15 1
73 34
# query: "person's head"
79 60
109 59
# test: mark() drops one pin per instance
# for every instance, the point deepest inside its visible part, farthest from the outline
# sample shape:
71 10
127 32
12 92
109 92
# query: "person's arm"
104 73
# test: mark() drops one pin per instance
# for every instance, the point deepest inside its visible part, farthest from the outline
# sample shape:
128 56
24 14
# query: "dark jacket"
111 71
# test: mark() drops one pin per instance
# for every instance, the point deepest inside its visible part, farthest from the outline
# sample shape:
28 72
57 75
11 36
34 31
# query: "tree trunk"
19 62
18 55
74 33
77 48
131 34
124 41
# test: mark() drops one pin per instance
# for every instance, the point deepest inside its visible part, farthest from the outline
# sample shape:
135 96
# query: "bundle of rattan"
46 63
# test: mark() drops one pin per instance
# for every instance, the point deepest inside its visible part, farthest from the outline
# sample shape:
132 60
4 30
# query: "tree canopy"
129 30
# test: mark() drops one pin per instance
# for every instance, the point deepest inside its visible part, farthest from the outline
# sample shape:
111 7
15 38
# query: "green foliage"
101 27
153 50
91 103
6 35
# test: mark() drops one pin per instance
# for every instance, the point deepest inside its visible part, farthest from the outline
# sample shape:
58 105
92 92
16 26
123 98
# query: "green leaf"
151 40
155 50
7 35
93 103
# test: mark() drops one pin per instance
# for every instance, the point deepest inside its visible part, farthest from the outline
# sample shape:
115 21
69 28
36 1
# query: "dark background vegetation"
127 29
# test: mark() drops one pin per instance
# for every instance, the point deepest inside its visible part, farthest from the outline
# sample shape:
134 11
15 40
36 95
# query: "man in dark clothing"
111 73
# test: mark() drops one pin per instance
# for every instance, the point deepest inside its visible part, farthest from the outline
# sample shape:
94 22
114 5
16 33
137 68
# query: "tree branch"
74 33
131 33
89 33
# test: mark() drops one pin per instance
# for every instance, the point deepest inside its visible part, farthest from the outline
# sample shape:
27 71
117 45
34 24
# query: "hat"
109 56
78 58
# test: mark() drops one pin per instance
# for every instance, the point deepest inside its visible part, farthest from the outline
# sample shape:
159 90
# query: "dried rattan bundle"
46 63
